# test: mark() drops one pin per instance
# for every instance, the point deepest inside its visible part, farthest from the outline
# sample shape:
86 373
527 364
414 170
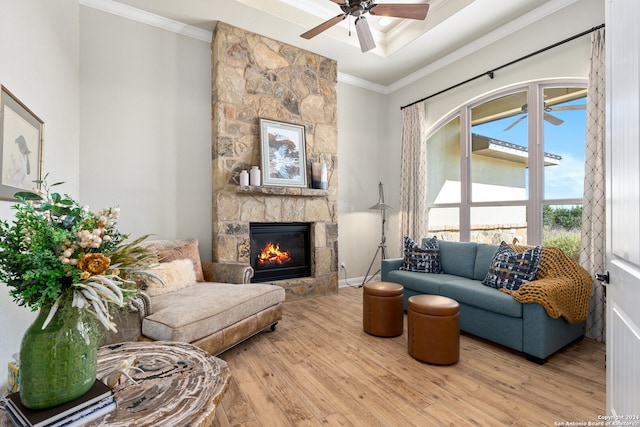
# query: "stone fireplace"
255 77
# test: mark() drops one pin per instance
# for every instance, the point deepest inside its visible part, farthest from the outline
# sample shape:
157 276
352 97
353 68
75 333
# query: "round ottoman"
434 329
382 311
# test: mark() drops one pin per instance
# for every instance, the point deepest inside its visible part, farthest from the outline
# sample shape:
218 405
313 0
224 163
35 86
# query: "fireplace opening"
280 250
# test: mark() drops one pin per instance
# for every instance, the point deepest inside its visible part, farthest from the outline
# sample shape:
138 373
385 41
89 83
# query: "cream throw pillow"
169 250
176 274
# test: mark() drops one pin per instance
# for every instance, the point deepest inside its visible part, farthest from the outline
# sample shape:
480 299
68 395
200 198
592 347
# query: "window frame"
536 199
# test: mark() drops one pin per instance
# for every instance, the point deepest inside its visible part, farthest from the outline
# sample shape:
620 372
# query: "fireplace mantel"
280 191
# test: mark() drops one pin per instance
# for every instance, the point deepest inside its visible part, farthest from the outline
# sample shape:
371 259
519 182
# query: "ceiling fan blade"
568 107
364 34
409 11
324 26
553 119
515 123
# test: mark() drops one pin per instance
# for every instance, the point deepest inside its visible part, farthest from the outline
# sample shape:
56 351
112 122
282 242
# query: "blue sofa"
485 311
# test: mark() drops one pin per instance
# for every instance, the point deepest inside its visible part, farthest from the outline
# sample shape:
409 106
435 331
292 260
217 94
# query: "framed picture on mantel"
284 160
20 146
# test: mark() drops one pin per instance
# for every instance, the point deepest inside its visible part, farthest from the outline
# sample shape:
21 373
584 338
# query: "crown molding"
516 25
148 18
364 84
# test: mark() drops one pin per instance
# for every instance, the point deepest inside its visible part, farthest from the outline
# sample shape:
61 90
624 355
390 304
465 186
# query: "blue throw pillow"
510 269
425 259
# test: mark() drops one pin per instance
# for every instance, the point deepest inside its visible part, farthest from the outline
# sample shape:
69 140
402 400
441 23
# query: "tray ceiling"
404 47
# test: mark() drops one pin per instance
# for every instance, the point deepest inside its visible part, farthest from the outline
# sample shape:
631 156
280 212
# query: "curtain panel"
413 175
593 250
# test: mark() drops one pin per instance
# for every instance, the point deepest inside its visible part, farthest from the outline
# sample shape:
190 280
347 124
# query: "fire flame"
271 254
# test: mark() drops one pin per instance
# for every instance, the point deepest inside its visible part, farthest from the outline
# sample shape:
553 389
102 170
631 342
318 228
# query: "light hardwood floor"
320 368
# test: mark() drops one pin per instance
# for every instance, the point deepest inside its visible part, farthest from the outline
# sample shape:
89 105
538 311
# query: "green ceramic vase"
57 364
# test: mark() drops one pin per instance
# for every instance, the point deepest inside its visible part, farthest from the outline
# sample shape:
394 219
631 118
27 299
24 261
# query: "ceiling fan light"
364 34
384 21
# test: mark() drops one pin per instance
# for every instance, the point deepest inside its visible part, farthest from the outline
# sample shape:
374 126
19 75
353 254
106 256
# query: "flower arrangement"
58 253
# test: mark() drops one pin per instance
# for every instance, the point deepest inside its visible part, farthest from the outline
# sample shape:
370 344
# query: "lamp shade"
381 205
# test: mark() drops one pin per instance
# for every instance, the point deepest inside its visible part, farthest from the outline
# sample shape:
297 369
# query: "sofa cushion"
458 258
484 256
425 259
474 293
175 275
510 269
169 250
427 283
204 308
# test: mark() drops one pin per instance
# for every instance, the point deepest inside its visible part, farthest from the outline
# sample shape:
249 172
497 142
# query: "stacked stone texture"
256 77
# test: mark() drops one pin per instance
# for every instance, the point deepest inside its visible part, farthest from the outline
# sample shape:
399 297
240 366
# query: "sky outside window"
566 140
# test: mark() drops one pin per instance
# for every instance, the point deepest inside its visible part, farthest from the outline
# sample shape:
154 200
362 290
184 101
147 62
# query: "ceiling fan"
358 8
548 117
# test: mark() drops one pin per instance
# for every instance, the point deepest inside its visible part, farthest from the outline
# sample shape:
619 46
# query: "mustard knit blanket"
563 287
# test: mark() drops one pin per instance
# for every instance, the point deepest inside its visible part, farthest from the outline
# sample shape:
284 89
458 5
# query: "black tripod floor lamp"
382 247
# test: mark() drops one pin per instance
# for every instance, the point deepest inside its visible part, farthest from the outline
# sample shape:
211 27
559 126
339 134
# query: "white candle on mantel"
244 178
255 175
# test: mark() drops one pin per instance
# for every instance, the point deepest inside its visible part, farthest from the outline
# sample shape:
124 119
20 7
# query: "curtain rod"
491 72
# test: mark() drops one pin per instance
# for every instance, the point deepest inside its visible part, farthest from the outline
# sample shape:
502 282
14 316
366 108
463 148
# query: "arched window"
510 166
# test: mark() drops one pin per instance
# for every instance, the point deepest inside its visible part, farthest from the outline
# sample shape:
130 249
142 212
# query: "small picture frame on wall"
21 133
283 148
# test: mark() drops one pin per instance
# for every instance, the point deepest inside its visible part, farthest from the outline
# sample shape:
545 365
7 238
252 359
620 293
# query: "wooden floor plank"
320 368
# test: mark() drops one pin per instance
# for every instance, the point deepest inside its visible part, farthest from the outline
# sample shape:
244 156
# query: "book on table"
76 419
98 400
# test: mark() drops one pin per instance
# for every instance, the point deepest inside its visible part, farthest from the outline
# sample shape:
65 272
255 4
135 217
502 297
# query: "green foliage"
29 255
54 244
560 217
562 228
567 240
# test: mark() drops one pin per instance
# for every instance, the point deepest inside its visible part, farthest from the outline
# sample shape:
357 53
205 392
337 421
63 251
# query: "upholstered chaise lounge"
196 306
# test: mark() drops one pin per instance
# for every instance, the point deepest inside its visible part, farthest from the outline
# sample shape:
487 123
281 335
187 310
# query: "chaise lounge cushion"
206 308
176 274
169 250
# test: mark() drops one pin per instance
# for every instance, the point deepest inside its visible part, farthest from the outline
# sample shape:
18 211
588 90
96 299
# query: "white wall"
361 130
146 126
40 66
570 60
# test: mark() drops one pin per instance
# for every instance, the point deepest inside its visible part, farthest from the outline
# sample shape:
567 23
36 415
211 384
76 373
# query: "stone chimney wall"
256 77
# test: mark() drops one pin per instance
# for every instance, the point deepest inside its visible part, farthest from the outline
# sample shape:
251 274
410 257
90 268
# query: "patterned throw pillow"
510 269
422 260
